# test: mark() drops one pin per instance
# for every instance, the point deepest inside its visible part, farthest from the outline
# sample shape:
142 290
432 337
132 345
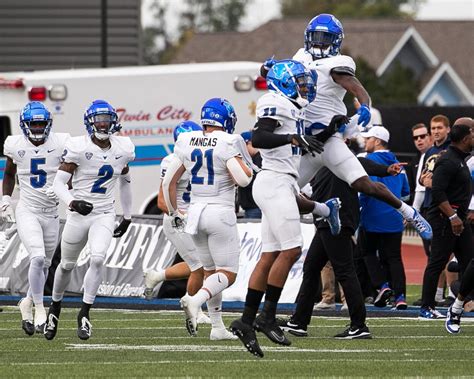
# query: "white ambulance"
150 102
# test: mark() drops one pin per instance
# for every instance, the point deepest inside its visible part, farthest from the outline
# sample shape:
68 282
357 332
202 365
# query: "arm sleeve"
238 173
441 178
126 195
373 168
263 136
173 167
60 186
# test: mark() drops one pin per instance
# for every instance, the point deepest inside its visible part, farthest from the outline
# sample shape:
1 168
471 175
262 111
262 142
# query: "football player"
191 268
95 163
278 134
35 157
336 75
214 165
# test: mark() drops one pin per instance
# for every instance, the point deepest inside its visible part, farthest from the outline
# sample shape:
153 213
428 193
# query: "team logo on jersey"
293 113
89 156
21 153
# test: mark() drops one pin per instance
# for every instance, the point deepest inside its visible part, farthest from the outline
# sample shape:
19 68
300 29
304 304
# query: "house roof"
372 40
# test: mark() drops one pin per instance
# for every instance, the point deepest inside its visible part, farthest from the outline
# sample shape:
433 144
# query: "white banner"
144 246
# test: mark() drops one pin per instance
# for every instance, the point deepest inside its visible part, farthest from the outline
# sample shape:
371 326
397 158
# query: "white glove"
51 194
10 232
6 211
179 221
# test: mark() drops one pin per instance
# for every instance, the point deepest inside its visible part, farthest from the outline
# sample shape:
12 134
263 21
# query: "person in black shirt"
338 250
451 191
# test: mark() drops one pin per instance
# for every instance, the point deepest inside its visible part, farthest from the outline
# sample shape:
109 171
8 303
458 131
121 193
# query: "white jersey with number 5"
286 158
329 95
183 187
97 170
36 166
205 156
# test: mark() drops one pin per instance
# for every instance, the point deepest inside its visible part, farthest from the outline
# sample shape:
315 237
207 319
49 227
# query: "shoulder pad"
343 61
276 107
303 56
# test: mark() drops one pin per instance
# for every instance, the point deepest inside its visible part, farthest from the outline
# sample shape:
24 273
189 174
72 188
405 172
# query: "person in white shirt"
214 163
95 163
34 157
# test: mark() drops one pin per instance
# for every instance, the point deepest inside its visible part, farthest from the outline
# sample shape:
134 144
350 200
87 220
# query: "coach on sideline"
451 191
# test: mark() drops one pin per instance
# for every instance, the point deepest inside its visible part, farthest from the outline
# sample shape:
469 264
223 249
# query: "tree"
197 16
346 8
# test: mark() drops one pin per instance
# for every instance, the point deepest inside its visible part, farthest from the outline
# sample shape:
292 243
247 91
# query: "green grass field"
155 344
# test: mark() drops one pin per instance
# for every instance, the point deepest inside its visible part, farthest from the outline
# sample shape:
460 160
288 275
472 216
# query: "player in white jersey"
278 134
336 75
191 268
35 157
214 164
95 163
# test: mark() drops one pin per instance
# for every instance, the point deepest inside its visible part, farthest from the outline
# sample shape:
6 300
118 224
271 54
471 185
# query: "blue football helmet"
219 112
293 80
35 121
101 120
183 127
323 36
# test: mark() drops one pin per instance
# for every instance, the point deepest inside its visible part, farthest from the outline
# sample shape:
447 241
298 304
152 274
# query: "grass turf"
155 344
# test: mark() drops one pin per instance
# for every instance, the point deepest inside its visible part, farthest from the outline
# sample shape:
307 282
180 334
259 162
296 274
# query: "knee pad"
97 261
38 262
67 265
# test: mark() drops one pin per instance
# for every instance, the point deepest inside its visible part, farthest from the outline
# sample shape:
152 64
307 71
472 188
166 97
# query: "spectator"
245 198
448 213
381 226
423 141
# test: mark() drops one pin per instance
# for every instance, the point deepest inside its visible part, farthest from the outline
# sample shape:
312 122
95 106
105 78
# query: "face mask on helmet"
323 36
101 120
35 122
292 80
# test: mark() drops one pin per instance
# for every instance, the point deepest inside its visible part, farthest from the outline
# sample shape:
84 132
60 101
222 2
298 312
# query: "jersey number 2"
105 173
39 180
197 156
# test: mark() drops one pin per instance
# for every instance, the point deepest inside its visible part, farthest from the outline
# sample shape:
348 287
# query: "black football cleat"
51 326
271 329
247 335
28 327
84 328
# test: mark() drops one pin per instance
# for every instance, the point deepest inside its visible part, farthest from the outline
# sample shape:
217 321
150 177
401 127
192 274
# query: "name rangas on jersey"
203 141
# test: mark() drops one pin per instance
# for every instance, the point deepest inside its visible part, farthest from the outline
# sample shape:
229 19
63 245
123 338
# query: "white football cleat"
191 310
221 334
202 318
150 283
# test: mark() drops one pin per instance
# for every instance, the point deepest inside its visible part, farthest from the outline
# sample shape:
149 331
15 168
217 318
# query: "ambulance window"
5 131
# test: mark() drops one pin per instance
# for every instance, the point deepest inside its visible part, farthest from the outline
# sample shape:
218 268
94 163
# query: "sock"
321 209
272 295
93 278
439 294
214 308
212 286
36 280
84 312
252 302
158 276
406 211
55 308
451 293
458 306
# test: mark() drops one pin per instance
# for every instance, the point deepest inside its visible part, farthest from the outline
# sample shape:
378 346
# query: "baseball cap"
378 132
247 136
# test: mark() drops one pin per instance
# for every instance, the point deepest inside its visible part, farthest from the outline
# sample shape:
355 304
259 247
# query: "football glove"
310 144
122 228
178 221
51 194
364 115
82 207
268 64
6 211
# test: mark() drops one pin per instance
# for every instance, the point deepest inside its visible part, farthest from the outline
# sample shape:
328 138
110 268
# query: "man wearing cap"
381 226
245 198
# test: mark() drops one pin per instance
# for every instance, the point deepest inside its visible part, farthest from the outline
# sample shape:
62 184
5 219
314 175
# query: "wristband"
452 217
7 199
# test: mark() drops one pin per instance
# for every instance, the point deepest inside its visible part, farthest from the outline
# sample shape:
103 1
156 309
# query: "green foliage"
397 86
346 8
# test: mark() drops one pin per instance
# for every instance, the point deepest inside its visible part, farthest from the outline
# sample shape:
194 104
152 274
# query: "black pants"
467 281
443 244
338 250
383 257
